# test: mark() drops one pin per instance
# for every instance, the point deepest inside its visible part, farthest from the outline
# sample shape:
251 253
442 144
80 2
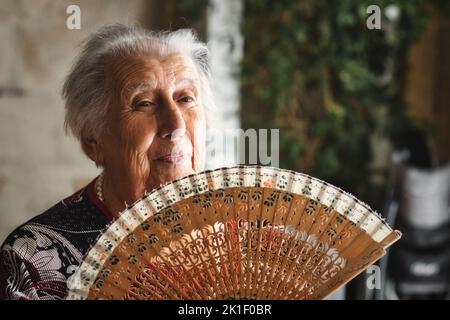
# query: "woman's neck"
115 196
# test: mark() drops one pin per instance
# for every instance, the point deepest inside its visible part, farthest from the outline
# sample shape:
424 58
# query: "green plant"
313 69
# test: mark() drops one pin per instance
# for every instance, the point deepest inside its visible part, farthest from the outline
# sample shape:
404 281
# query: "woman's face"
155 129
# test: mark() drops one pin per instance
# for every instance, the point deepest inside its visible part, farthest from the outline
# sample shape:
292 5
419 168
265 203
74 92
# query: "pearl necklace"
99 187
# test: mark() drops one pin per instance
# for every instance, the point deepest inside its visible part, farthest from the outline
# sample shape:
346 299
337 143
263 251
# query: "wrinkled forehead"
147 72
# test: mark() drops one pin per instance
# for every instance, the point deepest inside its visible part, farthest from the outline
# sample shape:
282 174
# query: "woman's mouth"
174 157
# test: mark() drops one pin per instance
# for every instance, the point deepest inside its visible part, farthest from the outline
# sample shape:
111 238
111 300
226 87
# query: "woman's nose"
171 122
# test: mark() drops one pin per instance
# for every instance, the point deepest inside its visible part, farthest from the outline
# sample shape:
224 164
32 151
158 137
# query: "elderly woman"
136 102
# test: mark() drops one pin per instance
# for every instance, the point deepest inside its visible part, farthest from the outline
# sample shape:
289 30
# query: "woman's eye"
143 104
186 99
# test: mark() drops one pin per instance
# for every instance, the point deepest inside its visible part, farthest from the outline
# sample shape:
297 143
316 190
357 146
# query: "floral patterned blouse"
38 257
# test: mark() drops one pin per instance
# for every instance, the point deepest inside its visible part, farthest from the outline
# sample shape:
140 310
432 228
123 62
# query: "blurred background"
365 109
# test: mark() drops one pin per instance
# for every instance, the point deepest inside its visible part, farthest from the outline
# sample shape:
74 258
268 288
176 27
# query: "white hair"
85 90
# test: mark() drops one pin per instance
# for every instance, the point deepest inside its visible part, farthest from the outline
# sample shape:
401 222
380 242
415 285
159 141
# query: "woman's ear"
92 149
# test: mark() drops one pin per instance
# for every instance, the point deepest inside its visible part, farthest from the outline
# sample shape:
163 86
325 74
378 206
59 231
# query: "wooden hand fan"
244 232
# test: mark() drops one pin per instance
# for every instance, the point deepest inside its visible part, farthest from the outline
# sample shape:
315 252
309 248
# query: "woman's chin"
165 172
